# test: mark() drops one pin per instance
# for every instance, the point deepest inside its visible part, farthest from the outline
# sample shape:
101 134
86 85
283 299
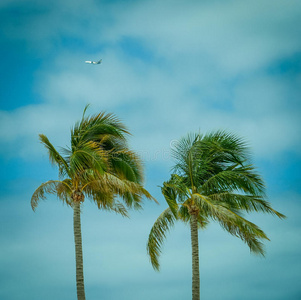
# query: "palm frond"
54 156
183 151
183 214
117 207
132 200
180 185
241 178
247 231
170 194
64 191
57 187
157 235
93 128
246 202
127 165
120 186
226 146
104 199
232 222
88 156
107 184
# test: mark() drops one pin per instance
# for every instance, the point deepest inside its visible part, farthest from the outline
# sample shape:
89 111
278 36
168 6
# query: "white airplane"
93 62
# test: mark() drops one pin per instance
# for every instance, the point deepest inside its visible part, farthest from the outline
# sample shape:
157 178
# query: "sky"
168 68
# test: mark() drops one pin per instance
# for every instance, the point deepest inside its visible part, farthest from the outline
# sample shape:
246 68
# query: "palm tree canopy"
98 165
213 177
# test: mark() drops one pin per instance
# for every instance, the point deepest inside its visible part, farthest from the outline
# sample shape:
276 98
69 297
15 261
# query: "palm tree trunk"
78 251
195 257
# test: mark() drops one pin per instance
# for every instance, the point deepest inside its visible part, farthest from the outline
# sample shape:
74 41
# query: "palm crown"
98 165
212 179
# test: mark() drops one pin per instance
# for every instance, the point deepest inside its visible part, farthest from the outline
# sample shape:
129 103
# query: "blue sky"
169 68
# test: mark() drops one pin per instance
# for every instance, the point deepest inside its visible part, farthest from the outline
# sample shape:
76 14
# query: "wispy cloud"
168 68
199 54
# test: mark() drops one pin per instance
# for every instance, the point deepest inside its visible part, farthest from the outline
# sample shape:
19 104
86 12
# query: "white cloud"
208 70
22 127
193 82
235 36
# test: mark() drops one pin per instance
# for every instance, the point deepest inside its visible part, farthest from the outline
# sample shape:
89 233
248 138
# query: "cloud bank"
169 67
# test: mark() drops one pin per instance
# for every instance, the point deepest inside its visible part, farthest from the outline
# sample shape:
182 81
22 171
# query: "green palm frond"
170 197
57 187
119 208
184 153
183 214
157 235
95 127
95 184
102 198
64 191
88 156
102 192
247 231
131 192
179 184
232 222
54 156
121 186
203 222
106 200
132 200
247 203
114 206
226 146
241 178
127 165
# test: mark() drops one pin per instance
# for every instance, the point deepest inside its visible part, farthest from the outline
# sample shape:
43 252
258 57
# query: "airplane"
93 62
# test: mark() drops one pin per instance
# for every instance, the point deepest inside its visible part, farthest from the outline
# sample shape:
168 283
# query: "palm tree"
212 179
98 165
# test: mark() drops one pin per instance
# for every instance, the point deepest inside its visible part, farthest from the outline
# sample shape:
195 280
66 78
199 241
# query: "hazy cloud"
168 68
